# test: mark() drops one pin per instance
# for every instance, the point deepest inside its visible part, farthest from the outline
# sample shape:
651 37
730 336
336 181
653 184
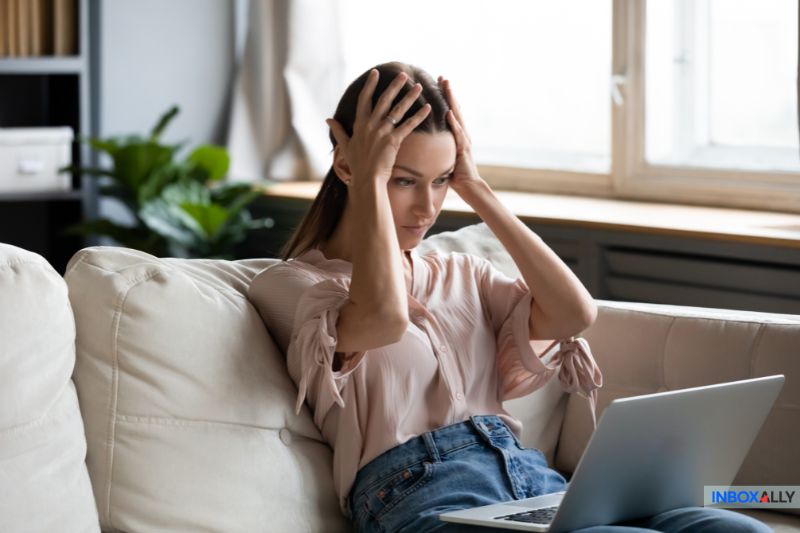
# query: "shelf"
42 65
40 196
47 91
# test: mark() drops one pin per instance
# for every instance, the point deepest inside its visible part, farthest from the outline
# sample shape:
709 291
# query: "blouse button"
285 436
459 396
443 348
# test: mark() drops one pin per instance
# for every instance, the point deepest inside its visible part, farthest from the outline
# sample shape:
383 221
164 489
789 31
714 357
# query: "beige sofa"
141 394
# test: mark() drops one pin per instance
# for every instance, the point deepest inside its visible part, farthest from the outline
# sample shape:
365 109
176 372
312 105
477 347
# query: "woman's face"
419 184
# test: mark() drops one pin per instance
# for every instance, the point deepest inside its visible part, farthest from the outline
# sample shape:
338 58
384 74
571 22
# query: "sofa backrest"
646 348
180 383
187 403
188 407
44 485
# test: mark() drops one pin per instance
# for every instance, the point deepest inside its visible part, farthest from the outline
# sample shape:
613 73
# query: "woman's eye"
407 182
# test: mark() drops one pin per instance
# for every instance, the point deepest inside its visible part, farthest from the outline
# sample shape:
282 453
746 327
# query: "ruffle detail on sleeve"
574 362
578 370
313 345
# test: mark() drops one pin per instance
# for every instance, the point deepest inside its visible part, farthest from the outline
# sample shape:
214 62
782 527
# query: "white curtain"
289 80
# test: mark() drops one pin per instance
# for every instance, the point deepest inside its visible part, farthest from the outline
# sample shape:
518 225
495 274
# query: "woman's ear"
340 166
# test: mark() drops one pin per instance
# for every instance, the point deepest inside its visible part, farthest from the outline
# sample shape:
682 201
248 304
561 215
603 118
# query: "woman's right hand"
377 133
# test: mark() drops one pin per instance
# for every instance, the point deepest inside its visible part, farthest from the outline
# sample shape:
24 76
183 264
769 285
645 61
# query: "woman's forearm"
561 305
378 281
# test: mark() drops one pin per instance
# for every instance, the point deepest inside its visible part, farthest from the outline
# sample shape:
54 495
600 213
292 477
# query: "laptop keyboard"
538 516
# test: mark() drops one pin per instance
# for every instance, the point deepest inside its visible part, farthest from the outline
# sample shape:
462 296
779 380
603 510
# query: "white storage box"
30 159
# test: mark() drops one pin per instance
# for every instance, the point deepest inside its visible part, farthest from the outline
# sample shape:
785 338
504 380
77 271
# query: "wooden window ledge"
714 223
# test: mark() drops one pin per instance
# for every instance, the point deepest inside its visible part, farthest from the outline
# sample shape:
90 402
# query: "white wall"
155 53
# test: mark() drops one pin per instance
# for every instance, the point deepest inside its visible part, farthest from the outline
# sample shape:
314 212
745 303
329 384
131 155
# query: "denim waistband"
430 446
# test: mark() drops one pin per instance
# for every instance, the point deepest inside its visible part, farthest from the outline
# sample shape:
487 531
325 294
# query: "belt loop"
430 444
478 422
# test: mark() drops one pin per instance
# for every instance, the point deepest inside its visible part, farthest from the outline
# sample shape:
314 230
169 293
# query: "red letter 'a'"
764 498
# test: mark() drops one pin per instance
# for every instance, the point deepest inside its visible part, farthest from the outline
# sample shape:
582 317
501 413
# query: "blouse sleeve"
313 344
521 370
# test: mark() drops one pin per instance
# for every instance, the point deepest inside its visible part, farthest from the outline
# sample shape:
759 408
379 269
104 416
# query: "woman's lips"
416 230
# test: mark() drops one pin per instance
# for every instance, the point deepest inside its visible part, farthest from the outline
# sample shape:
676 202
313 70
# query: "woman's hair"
326 210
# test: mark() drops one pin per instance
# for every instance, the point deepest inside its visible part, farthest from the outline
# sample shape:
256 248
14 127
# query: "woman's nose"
425 204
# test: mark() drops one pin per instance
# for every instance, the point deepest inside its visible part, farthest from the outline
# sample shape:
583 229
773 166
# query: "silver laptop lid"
659 450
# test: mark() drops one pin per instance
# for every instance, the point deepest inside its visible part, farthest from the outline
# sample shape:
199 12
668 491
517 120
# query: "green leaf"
179 215
88 171
134 163
170 221
235 196
214 160
108 146
187 191
210 217
227 192
163 122
158 179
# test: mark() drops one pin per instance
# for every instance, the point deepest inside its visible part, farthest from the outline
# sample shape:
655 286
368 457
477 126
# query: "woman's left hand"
465 172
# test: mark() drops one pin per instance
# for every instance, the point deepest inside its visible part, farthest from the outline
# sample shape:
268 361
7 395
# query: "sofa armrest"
44 484
646 348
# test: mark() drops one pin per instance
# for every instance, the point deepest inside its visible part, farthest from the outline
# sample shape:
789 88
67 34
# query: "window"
720 84
534 96
691 101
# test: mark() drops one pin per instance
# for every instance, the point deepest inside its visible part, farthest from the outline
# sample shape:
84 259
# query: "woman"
404 359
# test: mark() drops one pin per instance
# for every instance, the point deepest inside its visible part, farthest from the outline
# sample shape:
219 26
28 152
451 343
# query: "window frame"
631 176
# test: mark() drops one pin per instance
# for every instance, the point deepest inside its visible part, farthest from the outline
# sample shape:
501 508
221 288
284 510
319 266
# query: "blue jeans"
480 462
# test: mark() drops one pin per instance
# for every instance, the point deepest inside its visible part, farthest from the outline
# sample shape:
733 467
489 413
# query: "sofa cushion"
187 403
44 485
541 412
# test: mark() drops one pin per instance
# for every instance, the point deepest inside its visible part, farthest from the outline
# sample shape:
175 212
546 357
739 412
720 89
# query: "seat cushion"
44 485
187 403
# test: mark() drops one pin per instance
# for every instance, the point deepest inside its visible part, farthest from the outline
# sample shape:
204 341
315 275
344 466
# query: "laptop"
648 454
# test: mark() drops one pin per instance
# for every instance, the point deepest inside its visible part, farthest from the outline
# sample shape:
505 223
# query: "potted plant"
180 208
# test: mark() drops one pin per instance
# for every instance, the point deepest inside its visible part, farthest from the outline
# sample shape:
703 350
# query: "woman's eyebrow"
419 174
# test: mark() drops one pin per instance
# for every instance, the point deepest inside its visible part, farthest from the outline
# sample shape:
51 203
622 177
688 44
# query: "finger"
364 106
456 108
404 129
451 99
399 111
458 131
388 96
338 132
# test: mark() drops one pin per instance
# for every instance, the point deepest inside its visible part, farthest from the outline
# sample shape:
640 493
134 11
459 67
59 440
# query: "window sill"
712 223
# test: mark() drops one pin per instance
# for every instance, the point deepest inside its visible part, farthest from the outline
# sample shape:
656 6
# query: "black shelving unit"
50 91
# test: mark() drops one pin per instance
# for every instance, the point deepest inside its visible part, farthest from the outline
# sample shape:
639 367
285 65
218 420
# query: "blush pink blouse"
466 350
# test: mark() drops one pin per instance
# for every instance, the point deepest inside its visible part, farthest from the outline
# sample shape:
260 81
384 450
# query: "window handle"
617 80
